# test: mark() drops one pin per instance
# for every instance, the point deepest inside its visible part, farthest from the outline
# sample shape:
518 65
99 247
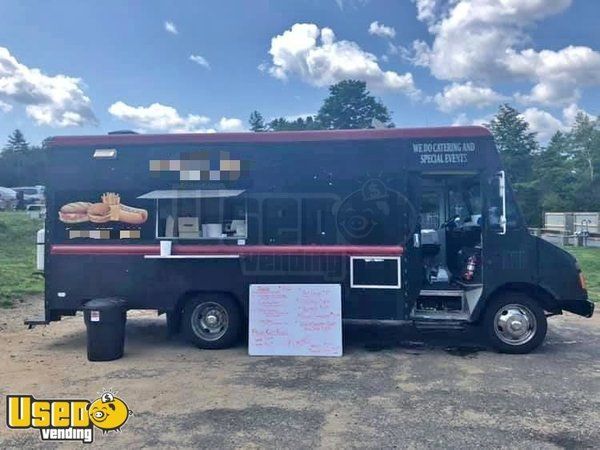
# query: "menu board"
295 320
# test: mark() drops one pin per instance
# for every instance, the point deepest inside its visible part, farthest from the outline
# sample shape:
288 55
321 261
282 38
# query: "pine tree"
553 170
16 143
299 124
585 137
515 142
518 147
256 121
585 154
351 106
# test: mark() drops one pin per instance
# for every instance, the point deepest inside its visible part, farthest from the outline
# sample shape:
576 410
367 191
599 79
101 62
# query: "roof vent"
122 132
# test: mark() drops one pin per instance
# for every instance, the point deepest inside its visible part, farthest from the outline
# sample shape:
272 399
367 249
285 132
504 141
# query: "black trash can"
105 322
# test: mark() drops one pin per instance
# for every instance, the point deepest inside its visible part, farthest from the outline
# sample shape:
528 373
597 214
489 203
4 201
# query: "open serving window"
209 214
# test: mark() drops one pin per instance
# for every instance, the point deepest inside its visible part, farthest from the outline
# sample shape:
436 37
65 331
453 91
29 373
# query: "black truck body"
416 225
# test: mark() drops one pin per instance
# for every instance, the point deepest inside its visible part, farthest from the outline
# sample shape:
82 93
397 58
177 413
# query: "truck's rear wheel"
515 323
212 321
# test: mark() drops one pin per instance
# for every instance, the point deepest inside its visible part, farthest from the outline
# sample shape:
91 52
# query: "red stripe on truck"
341 250
276 137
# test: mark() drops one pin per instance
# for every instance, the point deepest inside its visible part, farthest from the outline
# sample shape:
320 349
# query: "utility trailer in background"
415 225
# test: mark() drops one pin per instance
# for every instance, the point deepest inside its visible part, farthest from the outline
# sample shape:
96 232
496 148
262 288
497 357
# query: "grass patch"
589 260
18 277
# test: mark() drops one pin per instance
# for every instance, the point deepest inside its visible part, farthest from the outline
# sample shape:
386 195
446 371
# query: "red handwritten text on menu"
295 320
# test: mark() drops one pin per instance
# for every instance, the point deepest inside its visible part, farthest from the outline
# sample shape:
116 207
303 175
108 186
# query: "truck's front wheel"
212 321
515 323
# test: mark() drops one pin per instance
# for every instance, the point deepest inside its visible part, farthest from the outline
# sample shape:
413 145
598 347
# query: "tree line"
349 106
22 164
563 175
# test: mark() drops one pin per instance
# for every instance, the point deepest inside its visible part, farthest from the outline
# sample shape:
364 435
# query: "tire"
527 327
211 321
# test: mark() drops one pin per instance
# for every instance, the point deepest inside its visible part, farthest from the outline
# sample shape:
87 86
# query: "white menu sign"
295 320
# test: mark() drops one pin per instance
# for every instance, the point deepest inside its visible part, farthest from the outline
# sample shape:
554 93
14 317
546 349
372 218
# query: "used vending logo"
67 420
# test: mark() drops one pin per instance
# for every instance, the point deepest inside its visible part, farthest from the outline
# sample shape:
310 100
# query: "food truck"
418 226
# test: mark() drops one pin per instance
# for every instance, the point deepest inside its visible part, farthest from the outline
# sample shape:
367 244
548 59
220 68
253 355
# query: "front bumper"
583 308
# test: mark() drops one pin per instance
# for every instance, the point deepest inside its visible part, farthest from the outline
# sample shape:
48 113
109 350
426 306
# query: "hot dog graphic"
110 209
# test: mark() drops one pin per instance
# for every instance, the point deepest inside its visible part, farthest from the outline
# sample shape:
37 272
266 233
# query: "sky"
81 67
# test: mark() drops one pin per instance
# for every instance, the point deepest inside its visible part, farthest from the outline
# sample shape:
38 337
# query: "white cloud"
543 123
471 37
170 27
570 113
559 75
480 40
462 119
546 124
458 96
5 107
354 3
393 49
426 10
316 57
159 118
57 101
230 124
200 60
382 30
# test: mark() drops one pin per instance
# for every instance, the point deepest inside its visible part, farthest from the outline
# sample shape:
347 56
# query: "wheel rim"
210 321
515 324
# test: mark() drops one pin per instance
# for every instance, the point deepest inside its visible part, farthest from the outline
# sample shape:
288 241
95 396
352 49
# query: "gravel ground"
393 387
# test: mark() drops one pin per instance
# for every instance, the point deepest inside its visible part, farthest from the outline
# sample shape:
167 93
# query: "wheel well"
538 293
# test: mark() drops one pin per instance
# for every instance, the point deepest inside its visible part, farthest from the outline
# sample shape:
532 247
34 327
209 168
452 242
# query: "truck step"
441 293
442 325
420 314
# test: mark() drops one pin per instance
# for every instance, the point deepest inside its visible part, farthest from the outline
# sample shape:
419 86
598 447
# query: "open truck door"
382 285
413 251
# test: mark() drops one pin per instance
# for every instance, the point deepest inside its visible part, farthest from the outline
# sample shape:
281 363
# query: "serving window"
211 214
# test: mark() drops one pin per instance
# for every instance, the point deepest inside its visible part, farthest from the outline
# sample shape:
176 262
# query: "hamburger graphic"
110 209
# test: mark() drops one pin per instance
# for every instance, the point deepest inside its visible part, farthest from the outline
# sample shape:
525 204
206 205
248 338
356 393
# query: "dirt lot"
393 388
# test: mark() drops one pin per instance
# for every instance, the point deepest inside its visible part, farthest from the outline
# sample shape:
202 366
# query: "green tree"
585 155
585 137
518 147
351 106
16 142
299 124
553 171
20 163
515 142
256 121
